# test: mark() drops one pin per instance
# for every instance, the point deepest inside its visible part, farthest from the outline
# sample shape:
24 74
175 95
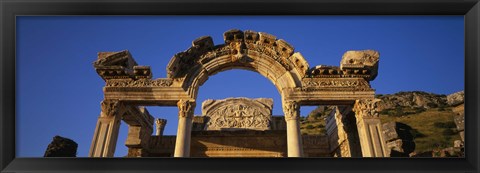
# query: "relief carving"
366 108
185 108
329 82
291 110
237 113
139 83
110 107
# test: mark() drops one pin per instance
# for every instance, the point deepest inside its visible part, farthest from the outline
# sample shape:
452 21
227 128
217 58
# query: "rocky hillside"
429 116
404 103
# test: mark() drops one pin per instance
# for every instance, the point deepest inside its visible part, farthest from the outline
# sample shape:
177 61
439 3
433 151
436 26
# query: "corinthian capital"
291 110
185 108
366 108
110 107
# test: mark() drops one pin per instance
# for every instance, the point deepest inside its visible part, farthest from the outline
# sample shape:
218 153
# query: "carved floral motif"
291 110
337 83
185 108
366 108
139 83
110 107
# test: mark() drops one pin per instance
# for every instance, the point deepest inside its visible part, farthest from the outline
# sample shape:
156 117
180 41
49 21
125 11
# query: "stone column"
342 132
369 128
160 124
184 132
106 132
294 138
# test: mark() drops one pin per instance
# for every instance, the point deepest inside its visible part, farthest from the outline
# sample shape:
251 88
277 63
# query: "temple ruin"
240 127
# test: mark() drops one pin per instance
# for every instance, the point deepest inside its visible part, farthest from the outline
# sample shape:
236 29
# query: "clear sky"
59 93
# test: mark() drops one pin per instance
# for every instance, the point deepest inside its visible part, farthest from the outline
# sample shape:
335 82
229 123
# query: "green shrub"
445 125
448 132
399 111
432 105
419 110
416 134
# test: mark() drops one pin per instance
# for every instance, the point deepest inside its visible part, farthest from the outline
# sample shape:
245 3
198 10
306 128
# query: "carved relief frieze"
238 113
139 83
332 83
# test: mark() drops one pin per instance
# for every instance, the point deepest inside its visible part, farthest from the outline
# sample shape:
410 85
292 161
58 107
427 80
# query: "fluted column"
294 138
184 132
106 131
369 128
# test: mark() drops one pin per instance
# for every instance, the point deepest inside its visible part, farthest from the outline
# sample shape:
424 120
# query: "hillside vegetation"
431 117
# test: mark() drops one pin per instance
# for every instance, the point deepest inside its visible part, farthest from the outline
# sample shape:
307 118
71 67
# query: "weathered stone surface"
238 113
413 99
160 124
129 85
61 147
364 61
456 98
399 140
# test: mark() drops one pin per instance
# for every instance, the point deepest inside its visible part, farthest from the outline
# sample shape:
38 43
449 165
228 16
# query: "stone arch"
129 84
260 52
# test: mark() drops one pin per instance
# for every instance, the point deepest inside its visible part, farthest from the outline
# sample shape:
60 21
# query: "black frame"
10 9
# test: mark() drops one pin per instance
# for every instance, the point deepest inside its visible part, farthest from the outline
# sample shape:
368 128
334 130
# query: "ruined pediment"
238 114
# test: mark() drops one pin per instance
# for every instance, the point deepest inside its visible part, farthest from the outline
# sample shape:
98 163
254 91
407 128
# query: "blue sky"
59 93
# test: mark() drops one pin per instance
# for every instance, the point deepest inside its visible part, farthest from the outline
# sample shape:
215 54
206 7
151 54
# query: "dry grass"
433 137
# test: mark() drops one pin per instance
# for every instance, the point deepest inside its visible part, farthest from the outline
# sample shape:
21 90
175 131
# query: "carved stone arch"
255 51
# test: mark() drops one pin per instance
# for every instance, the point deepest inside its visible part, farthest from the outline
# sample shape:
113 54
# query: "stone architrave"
369 128
238 113
184 132
106 131
291 110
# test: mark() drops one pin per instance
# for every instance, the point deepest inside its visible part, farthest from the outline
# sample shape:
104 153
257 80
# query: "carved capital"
185 108
366 108
291 110
160 122
110 108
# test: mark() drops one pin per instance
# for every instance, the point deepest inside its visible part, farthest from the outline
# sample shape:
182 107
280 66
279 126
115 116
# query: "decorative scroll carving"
238 113
185 108
291 110
366 108
139 83
110 107
328 83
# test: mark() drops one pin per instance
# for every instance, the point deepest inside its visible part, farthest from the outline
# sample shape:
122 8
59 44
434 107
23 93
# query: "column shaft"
106 133
369 128
294 137
184 131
